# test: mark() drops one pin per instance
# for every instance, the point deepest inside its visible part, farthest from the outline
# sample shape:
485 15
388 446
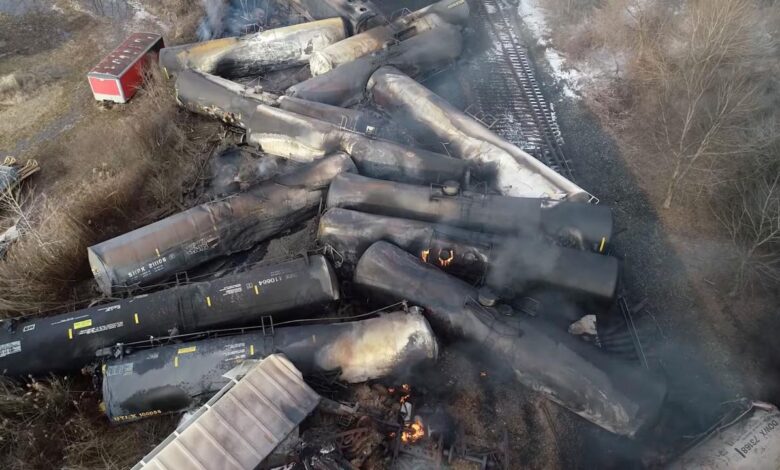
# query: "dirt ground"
48 50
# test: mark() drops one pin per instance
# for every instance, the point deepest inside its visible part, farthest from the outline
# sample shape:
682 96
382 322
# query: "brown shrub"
185 15
158 152
54 425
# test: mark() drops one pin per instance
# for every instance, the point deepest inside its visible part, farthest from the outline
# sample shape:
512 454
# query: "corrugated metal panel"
242 424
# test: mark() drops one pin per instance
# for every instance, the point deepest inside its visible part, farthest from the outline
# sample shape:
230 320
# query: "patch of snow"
570 79
533 17
141 15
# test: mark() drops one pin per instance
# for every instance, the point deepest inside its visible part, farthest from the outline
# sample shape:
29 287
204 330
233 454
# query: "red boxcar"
119 75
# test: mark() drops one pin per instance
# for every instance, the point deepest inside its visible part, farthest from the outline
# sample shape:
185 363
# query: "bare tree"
752 221
707 84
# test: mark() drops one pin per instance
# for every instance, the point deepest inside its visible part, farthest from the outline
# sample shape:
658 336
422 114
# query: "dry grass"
692 99
158 153
185 15
114 171
53 425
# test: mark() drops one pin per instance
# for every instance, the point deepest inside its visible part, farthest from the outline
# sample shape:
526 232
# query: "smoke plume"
232 18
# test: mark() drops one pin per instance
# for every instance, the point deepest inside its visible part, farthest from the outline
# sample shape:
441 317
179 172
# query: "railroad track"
508 98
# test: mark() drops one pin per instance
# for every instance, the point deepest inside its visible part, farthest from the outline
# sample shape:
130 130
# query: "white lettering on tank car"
230 290
10 348
98 329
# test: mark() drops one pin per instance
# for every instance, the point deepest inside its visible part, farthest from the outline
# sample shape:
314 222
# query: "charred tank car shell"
346 118
509 265
67 342
587 224
517 172
284 133
599 388
346 85
172 378
187 239
255 53
374 39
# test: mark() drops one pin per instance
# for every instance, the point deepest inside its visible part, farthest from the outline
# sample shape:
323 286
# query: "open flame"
444 262
445 257
413 432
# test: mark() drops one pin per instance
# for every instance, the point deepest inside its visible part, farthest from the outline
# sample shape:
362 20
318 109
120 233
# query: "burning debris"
452 242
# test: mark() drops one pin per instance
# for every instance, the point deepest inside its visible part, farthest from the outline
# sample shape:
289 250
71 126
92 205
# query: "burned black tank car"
69 341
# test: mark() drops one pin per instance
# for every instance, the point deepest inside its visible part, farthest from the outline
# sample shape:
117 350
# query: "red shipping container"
119 75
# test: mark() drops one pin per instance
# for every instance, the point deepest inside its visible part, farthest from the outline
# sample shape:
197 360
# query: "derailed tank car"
509 265
288 134
257 53
69 341
374 39
517 172
346 85
588 225
173 378
602 389
184 240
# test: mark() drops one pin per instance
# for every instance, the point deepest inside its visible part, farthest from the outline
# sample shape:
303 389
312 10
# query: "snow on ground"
571 79
141 16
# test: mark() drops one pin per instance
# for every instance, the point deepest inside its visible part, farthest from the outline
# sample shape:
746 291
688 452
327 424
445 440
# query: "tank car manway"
509 90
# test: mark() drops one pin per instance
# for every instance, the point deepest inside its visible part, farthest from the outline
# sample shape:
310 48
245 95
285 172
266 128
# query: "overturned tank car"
584 224
517 173
187 239
173 378
346 85
509 265
346 118
374 39
257 53
280 132
69 341
602 389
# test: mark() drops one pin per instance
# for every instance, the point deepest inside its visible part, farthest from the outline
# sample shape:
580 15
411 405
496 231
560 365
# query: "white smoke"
232 18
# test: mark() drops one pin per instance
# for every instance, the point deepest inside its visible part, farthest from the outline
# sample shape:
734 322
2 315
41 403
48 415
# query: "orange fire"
446 262
424 255
413 432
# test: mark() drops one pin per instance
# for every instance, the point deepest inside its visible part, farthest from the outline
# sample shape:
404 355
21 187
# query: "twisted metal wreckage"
403 223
